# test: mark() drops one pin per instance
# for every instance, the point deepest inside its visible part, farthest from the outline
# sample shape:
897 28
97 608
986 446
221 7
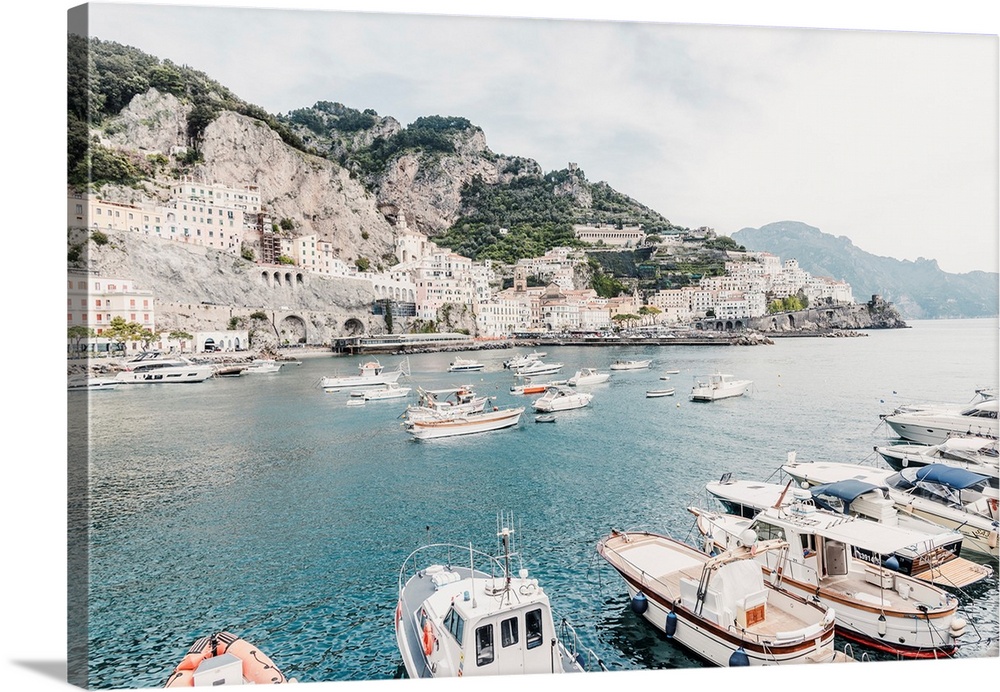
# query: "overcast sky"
887 137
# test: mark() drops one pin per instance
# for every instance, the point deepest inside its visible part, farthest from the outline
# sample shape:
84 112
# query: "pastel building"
94 301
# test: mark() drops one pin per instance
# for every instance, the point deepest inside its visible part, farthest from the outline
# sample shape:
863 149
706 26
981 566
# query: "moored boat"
970 453
934 425
656 393
561 399
464 424
370 374
262 366
225 659
950 497
634 364
455 620
536 368
923 550
153 367
91 384
530 387
465 365
873 605
720 607
389 391
588 376
718 386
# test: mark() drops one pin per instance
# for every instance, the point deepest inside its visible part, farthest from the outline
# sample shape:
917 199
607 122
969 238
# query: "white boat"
656 393
561 399
934 425
370 374
588 376
928 552
225 659
261 367
720 607
438 404
952 498
886 610
718 386
455 620
153 367
630 364
970 453
389 391
91 384
536 368
465 365
464 424
670 372
520 361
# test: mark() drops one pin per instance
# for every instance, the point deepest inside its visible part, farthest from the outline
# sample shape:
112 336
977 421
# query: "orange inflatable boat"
225 659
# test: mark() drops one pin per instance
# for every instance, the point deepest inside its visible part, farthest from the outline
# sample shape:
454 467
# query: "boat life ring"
994 503
429 638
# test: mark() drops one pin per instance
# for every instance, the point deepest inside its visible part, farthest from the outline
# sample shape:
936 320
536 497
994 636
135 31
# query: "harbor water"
265 506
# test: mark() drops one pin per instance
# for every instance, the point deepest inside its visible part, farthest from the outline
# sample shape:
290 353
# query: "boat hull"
336 383
166 375
465 425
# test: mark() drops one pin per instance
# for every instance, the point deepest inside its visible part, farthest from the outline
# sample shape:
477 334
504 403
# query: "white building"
628 236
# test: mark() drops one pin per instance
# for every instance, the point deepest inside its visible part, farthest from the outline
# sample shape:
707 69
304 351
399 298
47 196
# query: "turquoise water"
265 506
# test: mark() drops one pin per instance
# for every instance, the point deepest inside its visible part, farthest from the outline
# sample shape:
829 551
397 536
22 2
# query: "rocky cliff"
875 314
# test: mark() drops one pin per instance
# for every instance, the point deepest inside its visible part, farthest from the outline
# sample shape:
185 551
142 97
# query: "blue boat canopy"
953 477
847 490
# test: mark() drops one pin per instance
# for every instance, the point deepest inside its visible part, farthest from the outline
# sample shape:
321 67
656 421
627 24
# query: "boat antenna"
472 572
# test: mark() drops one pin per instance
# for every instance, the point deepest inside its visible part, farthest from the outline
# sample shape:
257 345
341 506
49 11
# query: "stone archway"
293 330
354 326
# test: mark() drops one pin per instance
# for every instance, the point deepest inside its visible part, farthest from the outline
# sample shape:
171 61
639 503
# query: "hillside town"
545 294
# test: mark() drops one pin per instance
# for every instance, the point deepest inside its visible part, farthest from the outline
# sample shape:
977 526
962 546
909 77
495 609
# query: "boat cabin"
489 627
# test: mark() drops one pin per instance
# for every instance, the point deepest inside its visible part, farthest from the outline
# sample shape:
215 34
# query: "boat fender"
671 627
639 603
739 658
957 628
429 639
891 563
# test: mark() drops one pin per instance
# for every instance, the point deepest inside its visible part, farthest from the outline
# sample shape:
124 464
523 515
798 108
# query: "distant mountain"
920 290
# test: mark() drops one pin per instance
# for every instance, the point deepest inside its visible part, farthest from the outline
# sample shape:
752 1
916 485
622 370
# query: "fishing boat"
924 550
970 453
370 374
934 425
153 367
390 391
225 659
886 610
718 386
630 364
719 607
952 498
465 365
464 424
536 368
588 376
656 393
479 618
561 399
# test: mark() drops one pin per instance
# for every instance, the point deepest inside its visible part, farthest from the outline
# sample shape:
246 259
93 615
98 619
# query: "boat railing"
451 555
582 654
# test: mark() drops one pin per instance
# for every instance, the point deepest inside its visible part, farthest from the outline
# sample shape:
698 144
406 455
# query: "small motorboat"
225 659
465 365
545 418
670 372
655 393
630 364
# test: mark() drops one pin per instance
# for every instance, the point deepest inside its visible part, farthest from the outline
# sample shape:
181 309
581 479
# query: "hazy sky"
889 138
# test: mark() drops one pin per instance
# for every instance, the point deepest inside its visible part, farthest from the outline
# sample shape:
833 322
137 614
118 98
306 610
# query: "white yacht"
390 391
153 367
953 498
718 386
561 399
479 618
970 453
873 605
262 366
720 607
934 425
588 376
522 360
536 368
927 551
370 373
431 428
465 365
635 364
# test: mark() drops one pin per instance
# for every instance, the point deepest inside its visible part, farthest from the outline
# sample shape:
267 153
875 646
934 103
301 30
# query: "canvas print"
409 346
